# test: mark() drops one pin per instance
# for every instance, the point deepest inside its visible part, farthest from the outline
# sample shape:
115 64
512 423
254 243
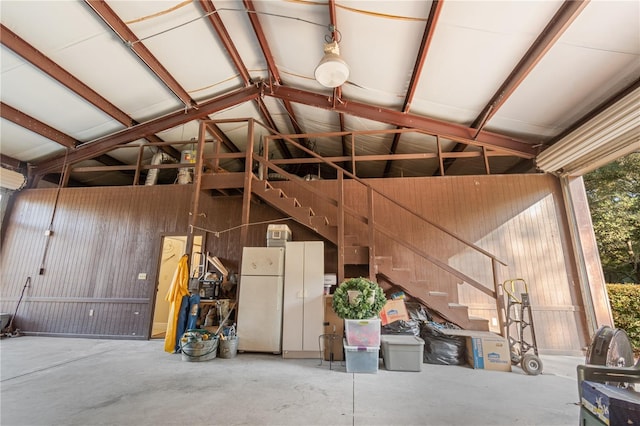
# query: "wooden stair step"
304 211
319 220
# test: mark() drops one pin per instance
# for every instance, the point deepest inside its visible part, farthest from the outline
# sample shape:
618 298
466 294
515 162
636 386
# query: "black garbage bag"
417 312
411 328
440 348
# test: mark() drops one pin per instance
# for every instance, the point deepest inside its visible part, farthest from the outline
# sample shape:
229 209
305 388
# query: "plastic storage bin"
362 332
361 359
278 235
402 353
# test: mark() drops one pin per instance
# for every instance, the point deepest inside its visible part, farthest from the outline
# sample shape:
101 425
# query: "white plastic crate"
361 359
365 332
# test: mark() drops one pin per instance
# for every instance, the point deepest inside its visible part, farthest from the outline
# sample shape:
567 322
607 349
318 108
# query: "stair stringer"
290 206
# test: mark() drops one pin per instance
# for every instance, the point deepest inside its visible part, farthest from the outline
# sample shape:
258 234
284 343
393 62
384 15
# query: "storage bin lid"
399 339
359 348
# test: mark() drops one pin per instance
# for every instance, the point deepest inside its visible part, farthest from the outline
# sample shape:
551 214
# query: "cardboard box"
488 351
394 310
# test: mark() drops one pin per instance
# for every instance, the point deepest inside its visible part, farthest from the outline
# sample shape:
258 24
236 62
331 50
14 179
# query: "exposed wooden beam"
118 26
455 132
104 144
427 37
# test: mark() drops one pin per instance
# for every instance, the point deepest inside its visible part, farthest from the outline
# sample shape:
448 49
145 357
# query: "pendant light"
332 71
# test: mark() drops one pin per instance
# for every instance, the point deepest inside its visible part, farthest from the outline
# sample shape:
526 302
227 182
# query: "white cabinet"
303 305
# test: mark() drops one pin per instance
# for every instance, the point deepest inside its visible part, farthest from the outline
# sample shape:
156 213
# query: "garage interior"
445 159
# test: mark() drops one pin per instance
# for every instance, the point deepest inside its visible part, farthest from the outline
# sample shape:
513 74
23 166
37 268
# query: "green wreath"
367 304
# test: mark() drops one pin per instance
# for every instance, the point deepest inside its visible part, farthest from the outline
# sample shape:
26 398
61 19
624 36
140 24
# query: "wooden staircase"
277 199
356 254
350 251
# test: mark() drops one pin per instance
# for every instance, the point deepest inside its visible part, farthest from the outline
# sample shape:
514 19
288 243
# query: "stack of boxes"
362 345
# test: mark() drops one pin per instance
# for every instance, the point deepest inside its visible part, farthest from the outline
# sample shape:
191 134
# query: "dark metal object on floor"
523 352
10 330
328 339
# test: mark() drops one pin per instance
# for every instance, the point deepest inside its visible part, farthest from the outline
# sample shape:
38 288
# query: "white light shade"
11 180
332 71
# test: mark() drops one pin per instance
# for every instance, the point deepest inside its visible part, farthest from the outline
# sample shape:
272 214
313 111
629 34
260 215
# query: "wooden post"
248 176
500 307
340 226
195 195
372 235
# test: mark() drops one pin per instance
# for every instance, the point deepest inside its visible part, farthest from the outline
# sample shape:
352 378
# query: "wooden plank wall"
104 237
518 218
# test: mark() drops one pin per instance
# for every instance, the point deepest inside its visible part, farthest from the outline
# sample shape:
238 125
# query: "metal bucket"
197 349
229 347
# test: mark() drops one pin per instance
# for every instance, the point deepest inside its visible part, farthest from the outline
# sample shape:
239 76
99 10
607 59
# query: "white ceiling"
475 46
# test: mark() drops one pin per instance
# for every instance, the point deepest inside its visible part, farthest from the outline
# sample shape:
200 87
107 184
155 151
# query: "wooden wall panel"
519 218
104 237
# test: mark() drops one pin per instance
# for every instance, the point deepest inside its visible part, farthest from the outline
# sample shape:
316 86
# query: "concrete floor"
59 381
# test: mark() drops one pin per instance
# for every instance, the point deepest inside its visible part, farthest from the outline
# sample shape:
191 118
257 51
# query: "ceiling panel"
587 66
25 145
91 52
27 89
371 23
475 47
184 42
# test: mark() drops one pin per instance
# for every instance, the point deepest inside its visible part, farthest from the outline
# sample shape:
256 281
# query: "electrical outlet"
494 321
90 312
142 276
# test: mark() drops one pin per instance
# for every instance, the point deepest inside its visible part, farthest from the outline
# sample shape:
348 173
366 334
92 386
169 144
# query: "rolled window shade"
12 180
612 134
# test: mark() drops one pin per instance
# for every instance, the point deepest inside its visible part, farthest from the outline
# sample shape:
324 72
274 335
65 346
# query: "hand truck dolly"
519 316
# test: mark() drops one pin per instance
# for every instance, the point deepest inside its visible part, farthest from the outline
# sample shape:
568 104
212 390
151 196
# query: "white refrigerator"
259 323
